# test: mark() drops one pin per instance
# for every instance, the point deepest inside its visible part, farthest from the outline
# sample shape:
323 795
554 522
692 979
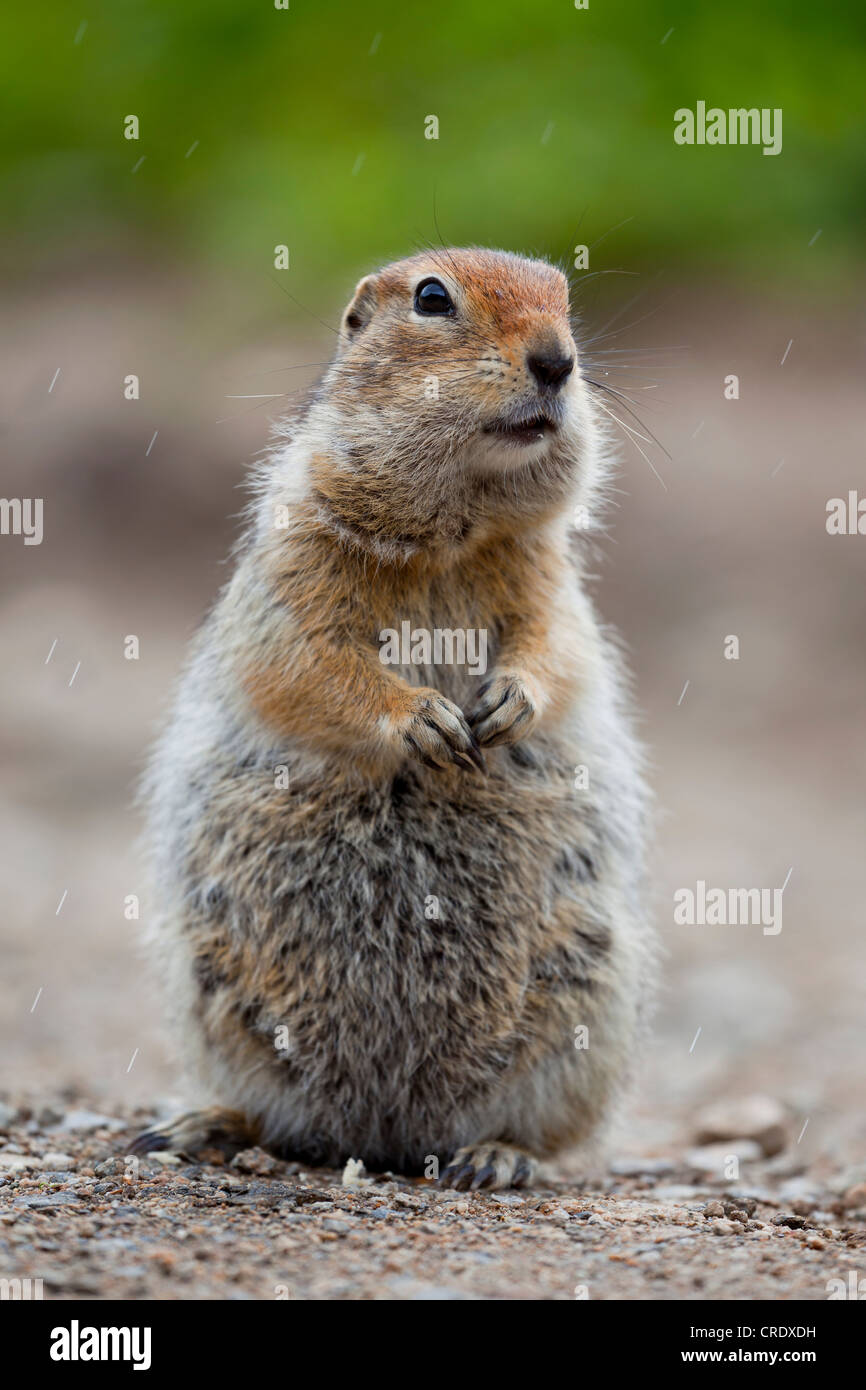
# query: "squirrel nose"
550 368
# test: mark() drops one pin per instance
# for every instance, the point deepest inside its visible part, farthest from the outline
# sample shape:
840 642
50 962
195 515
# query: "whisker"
611 231
630 433
601 337
330 327
611 390
575 232
260 406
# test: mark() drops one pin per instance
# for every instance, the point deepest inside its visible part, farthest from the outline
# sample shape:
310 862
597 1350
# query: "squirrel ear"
360 311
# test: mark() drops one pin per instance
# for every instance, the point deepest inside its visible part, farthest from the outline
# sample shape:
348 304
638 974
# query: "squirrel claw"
488 1166
148 1142
458 1176
504 712
485 1177
438 734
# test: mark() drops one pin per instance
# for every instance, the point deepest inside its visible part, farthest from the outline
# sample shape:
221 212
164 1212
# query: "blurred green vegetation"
309 125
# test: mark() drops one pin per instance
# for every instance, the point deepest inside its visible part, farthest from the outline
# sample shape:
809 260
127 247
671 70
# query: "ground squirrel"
401 909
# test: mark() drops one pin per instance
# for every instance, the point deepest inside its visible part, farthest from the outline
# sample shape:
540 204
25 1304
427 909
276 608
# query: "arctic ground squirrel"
398 815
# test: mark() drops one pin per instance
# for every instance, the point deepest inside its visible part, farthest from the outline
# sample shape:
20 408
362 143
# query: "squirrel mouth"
523 431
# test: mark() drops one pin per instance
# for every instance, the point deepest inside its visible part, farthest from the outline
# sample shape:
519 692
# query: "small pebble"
355 1174
59 1160
714 1158
85 1121
758 1118
725 1228
48 1116
641 1167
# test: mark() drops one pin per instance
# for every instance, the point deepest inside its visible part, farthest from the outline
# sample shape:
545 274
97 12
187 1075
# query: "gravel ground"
77 1213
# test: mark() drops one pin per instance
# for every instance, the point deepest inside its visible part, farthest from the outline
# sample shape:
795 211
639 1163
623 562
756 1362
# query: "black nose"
549 368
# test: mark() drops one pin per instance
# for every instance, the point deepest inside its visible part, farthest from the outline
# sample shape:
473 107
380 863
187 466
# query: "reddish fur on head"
425 424
511 296
435 384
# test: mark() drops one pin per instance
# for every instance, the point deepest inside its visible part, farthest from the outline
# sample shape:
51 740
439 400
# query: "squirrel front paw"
435 732
505 711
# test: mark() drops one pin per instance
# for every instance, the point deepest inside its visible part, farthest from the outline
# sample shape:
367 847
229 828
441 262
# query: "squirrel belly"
398 817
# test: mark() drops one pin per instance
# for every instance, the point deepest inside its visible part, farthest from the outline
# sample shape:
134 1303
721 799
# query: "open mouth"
524 431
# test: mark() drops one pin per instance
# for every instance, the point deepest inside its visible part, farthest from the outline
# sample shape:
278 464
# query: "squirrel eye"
431 297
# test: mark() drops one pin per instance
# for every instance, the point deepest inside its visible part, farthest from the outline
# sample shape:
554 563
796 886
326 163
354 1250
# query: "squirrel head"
455 392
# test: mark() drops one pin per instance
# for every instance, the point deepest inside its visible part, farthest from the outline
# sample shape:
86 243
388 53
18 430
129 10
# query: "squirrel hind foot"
487 1167
195 1130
